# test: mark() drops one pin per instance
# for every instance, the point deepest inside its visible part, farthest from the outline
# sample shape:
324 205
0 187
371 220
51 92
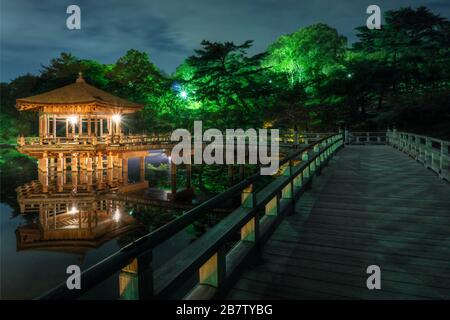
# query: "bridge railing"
94 140
431 152
286 137
209 260
378 137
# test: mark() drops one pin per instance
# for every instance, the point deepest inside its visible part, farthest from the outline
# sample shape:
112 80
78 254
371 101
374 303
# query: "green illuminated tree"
307 55
226 83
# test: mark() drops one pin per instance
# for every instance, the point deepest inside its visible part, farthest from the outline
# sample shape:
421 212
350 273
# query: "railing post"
145 275
248 197
305 158
250 231
272 207
136 279
298 180
428 153
213 271
444 161
288 191
416 148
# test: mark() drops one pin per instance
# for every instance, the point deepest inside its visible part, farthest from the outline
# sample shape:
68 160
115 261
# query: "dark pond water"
48 223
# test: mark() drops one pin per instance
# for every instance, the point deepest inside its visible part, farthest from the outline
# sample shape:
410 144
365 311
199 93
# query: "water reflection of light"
116 216
73 210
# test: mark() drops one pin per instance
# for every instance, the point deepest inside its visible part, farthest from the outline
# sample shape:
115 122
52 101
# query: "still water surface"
47 226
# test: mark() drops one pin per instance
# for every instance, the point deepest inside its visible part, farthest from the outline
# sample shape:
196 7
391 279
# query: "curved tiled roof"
77 93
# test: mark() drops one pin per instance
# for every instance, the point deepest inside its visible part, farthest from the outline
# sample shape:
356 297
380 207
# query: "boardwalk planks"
371 205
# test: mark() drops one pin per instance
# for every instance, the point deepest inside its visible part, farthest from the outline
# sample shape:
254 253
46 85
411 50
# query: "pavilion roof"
76 94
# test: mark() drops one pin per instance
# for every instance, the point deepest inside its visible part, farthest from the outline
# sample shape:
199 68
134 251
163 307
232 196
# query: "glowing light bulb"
73 210
184 94
117 118
73 119
116 216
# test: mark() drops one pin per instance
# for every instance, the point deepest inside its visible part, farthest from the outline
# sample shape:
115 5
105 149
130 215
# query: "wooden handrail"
433 153
368 137
208 251
288 137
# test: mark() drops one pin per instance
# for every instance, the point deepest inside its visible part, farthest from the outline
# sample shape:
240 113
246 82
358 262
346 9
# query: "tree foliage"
310 79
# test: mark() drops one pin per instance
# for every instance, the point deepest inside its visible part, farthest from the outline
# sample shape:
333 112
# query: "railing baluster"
213 271
272 207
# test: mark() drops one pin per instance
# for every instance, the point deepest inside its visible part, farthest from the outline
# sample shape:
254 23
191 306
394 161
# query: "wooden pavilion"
80 129
84 110
80 125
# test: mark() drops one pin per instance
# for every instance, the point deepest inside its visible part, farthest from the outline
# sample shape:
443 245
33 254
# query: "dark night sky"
33 32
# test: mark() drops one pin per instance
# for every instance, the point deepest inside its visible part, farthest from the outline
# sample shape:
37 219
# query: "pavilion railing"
94 140
209 259
285 137
431 152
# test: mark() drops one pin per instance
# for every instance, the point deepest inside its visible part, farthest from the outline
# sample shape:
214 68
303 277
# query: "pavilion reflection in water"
77 211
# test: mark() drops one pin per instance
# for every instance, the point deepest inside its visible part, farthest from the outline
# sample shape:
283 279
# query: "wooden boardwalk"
372 205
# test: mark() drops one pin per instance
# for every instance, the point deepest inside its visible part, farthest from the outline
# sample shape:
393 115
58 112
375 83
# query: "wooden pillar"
101 127
40 126
99 161
75 179
110 160
74 162
142 168
89 163
73 129
80 126
89 125
125 170
52 163
54 126
109 175
99 177
118 127
118 162
44 125
59 181
82 162
43 162
89 220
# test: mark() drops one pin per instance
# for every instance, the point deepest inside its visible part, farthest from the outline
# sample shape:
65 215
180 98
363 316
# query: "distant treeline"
398 75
